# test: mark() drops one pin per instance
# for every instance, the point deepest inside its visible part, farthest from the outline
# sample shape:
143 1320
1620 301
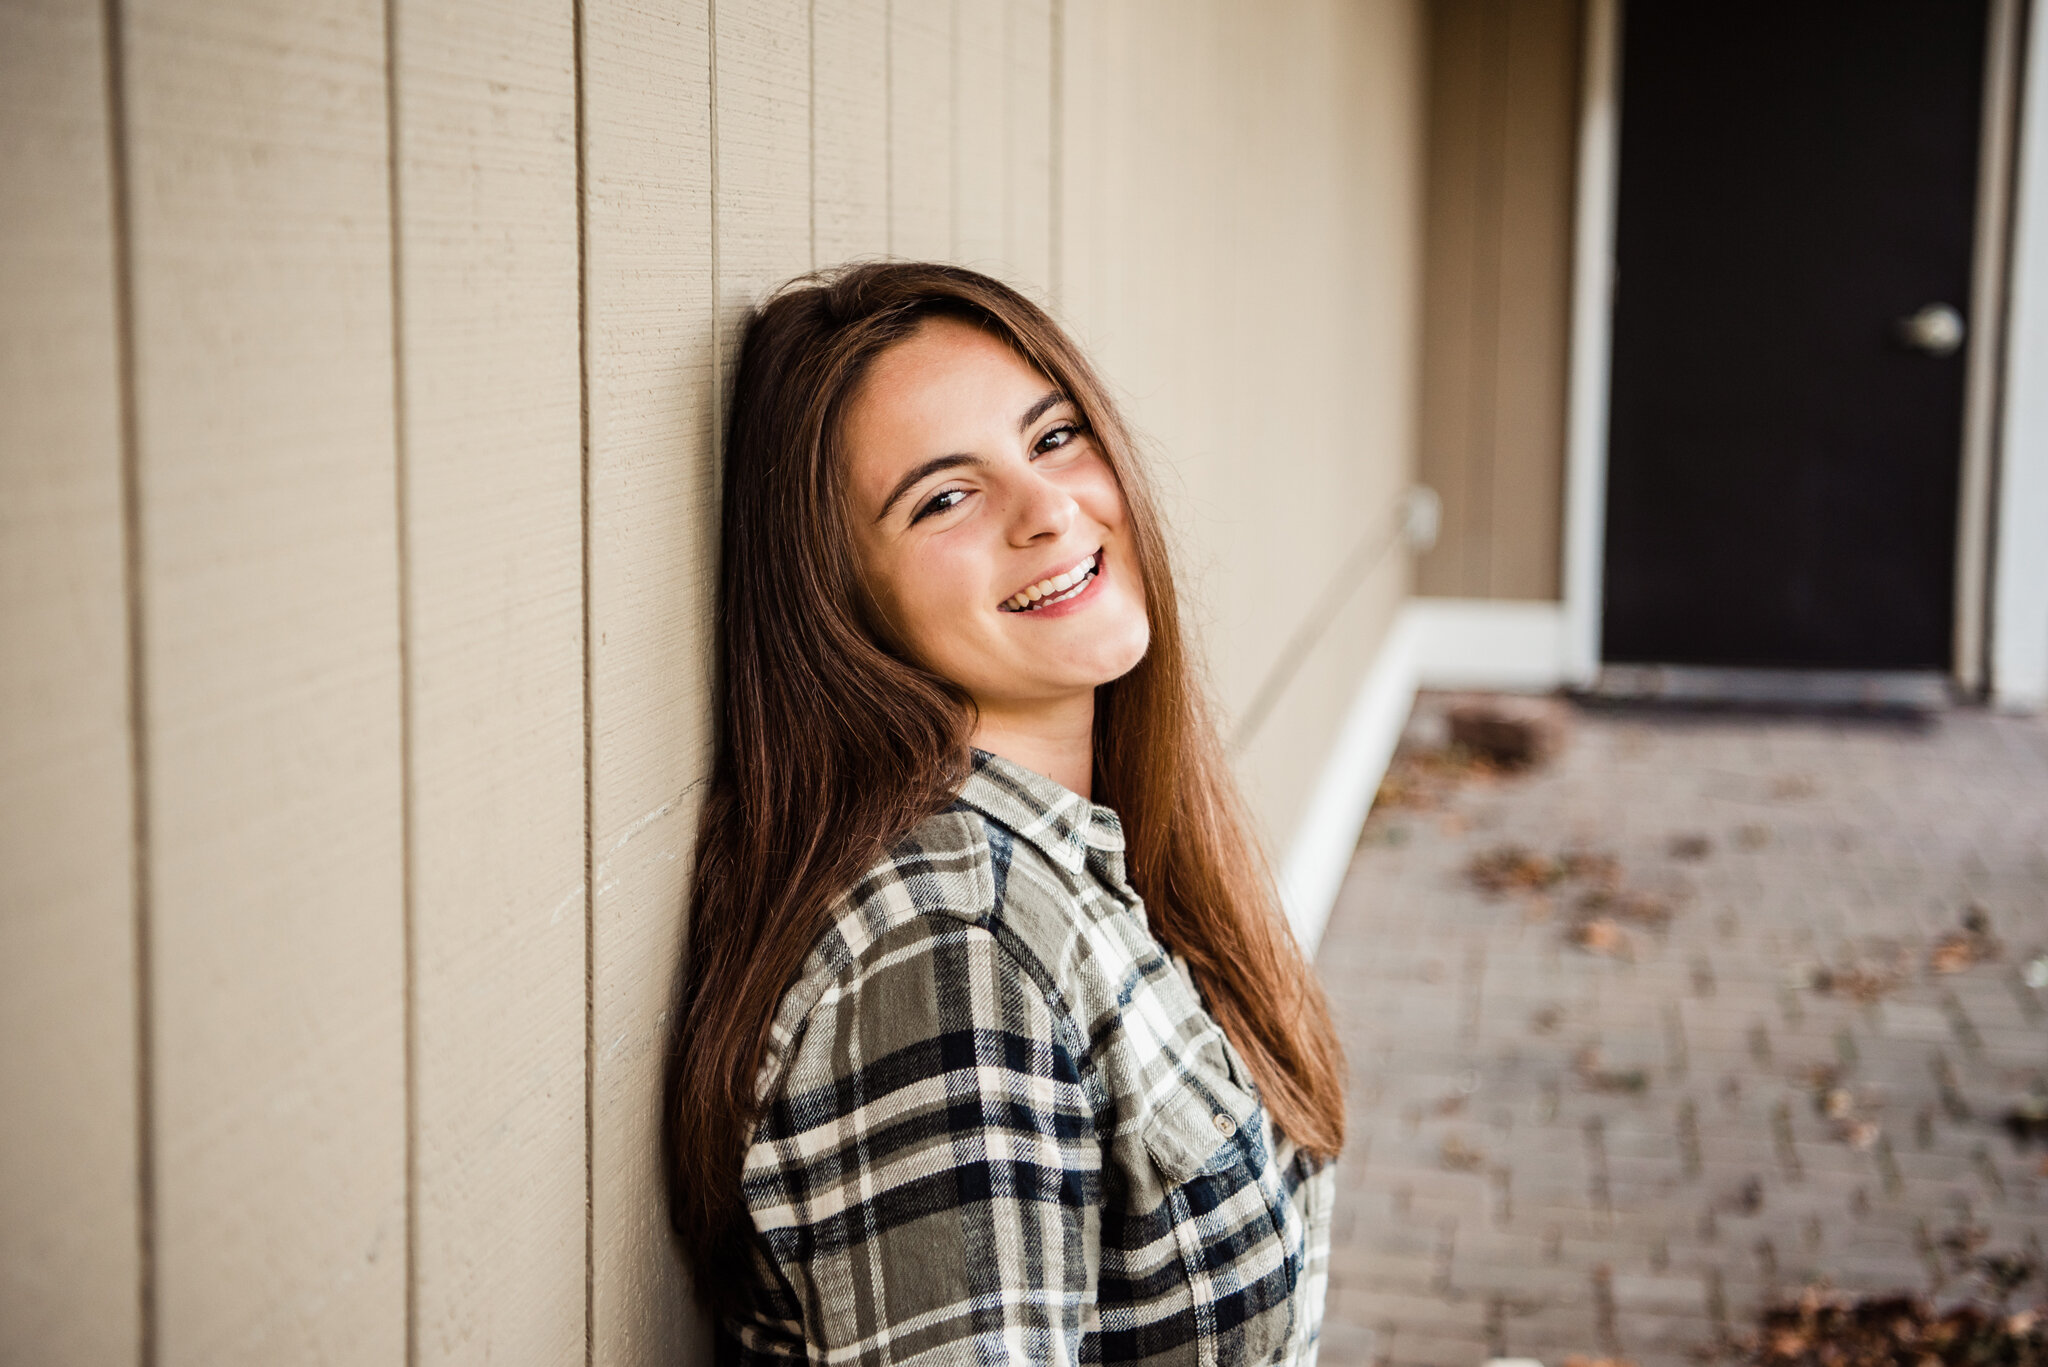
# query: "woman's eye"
1056 438
939 503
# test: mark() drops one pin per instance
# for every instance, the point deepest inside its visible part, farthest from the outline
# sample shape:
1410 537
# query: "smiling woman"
991 565
994 1045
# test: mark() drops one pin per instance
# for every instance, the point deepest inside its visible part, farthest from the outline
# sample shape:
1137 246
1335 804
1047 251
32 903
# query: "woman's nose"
1041 510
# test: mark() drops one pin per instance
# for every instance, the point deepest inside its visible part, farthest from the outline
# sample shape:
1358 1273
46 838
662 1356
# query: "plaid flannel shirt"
1000 1126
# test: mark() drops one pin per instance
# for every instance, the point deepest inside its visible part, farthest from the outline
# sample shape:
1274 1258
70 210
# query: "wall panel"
1027 145
257 144
981 100
1538 169
1077 164
1503 122
1346 309
652 561
849 150
1238 233
1464 222
920 91
69 1220
491 449
763 90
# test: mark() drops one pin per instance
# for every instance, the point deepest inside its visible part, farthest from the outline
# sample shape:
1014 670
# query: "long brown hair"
832 746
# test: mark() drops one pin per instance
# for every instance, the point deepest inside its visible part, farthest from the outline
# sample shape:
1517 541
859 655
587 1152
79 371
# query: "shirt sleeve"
927 1178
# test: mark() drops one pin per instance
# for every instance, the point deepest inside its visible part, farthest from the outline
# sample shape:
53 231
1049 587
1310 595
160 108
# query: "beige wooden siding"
364 607
259 238
1240 205
71 1277
1502 121
490 420
651 552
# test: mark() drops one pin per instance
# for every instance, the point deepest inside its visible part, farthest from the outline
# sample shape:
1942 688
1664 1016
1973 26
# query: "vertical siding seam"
889 127
577 47
953 127
1056 162
811 110
121 214
409 938
1489 209
1009 144
717 294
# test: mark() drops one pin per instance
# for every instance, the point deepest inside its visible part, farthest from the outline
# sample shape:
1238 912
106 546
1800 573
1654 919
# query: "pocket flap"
1188 1133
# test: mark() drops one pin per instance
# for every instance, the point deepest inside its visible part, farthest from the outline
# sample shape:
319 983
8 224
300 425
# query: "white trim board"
1585 448
2019 570
1991 255
1491 643
1335 813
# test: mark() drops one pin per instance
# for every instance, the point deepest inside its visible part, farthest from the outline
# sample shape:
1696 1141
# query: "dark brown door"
1796 181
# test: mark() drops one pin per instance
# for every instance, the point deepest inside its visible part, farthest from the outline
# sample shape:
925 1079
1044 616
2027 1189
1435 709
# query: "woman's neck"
1057 740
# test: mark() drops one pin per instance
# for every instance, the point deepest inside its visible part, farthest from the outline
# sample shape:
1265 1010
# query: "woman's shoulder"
933 891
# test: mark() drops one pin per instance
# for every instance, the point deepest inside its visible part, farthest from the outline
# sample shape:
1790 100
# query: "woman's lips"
1058 592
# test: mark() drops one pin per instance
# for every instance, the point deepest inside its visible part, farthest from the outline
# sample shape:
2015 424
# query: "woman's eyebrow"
930 467
1037 410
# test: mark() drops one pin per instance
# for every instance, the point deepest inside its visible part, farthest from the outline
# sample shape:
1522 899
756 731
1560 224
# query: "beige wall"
356 506
1242 209
1503 111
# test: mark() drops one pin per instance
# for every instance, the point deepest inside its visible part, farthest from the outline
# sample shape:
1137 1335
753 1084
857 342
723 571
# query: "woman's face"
989 526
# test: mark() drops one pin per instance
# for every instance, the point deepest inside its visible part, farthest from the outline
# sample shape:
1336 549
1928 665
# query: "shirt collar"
1053 819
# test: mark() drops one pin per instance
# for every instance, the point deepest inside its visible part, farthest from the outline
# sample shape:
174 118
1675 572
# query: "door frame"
1989 404
2018 648
1585 440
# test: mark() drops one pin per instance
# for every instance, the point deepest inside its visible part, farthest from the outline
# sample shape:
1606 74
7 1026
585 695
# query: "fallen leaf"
1590 866
1690 845
1513 868
1510 734
1959 950
1602 936
1458 1156
1594 1077
1858 982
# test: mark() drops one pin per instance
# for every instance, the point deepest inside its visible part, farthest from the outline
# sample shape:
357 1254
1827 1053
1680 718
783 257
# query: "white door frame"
2019 566
1990 256
2003 517
1585 446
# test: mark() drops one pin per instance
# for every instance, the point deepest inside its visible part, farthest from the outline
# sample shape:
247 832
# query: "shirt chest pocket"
1206 1138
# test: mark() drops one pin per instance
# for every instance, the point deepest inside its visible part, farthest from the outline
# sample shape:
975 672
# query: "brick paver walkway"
1623 1149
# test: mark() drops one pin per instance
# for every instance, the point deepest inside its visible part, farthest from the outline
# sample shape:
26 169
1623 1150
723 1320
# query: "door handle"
1936 329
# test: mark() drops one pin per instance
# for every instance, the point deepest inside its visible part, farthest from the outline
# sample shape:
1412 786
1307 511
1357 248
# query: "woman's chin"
1112 659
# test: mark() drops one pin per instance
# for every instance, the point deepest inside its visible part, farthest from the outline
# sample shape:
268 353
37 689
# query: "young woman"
994 1047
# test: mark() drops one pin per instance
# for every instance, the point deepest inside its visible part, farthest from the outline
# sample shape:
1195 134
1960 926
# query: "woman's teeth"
1057 589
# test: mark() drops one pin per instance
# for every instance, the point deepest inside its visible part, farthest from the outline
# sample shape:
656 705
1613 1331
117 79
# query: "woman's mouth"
1059 588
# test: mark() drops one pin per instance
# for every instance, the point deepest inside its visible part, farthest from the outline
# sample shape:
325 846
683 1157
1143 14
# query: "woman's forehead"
945 359
950 385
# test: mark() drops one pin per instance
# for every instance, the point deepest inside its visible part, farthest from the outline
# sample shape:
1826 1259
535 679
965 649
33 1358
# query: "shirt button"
1225 1126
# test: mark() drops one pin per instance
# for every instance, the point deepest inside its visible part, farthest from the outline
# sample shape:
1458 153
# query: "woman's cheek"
940 593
